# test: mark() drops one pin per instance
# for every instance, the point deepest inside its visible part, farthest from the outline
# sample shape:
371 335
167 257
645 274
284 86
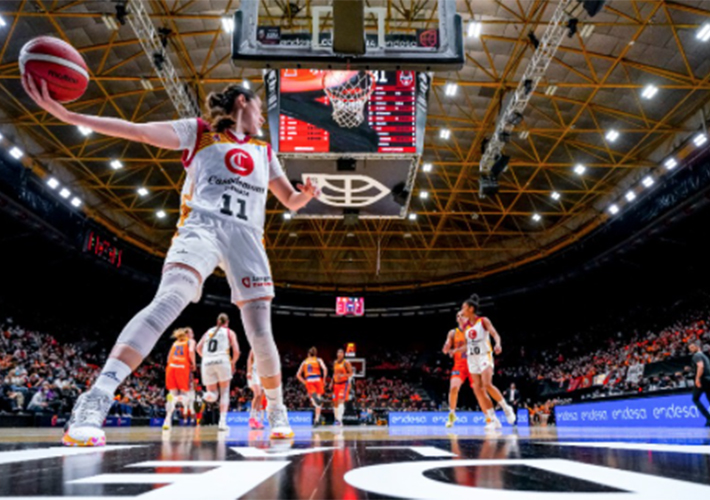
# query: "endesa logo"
239 162
256 281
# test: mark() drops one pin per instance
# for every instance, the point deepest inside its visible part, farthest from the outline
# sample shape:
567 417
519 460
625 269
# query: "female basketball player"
342 373
217 366
221 223
455 347
257 400
312 373
479 353
181 360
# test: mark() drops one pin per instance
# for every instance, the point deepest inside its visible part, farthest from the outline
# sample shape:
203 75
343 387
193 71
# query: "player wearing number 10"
221 223
217 366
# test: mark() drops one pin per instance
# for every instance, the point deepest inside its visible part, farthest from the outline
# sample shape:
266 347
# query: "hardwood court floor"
361 462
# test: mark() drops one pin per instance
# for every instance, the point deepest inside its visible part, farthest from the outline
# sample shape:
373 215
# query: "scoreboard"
350 306
301 114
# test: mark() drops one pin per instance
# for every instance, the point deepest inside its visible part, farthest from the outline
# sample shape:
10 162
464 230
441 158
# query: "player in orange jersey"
479 354
342 373
181 360
188 408
312 373
455 341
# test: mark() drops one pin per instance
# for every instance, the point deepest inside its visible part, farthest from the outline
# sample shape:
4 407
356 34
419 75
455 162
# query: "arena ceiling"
593 85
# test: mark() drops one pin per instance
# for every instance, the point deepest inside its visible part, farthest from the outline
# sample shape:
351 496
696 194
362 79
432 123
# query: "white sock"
274 396
112 375
491 414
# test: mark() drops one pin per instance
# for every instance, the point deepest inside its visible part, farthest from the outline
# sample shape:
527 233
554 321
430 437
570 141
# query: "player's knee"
266 353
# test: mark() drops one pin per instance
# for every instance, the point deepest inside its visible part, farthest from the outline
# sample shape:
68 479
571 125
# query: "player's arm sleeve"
275 168
186 130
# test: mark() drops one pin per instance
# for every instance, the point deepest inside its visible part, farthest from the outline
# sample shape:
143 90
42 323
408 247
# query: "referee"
701 365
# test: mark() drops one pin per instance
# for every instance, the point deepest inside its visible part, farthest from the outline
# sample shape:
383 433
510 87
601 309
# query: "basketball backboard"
349 35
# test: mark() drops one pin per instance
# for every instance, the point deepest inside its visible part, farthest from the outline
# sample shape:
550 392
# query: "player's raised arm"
493 333
159 134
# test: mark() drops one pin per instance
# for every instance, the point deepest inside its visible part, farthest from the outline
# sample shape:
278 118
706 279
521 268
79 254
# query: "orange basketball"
59 64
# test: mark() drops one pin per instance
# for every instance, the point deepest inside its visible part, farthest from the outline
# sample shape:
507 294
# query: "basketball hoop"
348 97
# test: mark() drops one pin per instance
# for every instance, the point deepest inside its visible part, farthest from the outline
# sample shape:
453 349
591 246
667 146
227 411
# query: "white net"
348 97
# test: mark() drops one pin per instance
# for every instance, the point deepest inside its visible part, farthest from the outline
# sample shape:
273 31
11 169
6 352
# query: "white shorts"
479 364
216 369
204 242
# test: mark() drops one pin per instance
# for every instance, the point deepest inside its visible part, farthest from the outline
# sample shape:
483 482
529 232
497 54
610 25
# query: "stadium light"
145 83
450 89
671 163
647 181
2 22
75 202
85 131
142 191
630 196
700 139
110 22
579 169
612 135
555 195
412 217
474 29
64 193
160 214
524 134
649 91
424 195
52 183
246 84
116 165
703 33
228 24
550 90
614 209
288 216
16 153
445 133
536 217
426 167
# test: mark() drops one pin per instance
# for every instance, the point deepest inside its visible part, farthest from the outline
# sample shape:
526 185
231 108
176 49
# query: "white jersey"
227 176
217 343
478 342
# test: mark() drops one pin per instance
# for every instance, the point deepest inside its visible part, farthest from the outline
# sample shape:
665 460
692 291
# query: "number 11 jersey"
227 175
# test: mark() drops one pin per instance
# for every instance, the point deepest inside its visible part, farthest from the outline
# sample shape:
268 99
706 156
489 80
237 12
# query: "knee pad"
256 318
178 287
210 397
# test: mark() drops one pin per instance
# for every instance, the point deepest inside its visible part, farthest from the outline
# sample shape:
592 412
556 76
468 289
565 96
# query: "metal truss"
457 236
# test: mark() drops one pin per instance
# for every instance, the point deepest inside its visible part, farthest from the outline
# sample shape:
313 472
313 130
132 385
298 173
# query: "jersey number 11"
227 207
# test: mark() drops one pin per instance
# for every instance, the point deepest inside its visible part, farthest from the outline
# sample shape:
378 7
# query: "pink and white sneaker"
254 424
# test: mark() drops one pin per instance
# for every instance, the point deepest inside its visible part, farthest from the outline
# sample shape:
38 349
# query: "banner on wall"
406 418
241 418
676 410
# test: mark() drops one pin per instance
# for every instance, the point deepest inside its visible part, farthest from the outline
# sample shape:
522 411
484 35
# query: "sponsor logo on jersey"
239 162
256 281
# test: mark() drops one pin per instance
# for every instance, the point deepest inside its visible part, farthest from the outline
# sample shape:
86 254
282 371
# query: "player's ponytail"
220 106
473 301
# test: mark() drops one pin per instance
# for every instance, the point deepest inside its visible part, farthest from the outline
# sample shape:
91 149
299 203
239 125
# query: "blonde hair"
179 334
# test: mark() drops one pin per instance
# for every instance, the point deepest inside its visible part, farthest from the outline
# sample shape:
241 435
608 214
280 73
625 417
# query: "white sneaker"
167 424
87 418
497 423
278 421
222 426
509 415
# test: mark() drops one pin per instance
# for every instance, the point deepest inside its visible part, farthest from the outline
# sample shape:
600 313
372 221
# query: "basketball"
59 64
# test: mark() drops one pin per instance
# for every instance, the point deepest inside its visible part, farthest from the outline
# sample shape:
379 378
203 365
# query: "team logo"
406 78
348 190
239 162
246 282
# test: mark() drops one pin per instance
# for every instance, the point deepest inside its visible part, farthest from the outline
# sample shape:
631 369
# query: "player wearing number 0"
217 365
181 360
479 354
257 401
312 373
455 347
229 174
342 373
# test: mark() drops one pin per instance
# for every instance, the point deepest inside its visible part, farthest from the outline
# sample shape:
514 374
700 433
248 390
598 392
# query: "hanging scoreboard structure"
357 134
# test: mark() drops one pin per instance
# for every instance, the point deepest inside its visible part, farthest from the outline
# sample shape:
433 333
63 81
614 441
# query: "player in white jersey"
217 365
479 354
255 415
223 206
